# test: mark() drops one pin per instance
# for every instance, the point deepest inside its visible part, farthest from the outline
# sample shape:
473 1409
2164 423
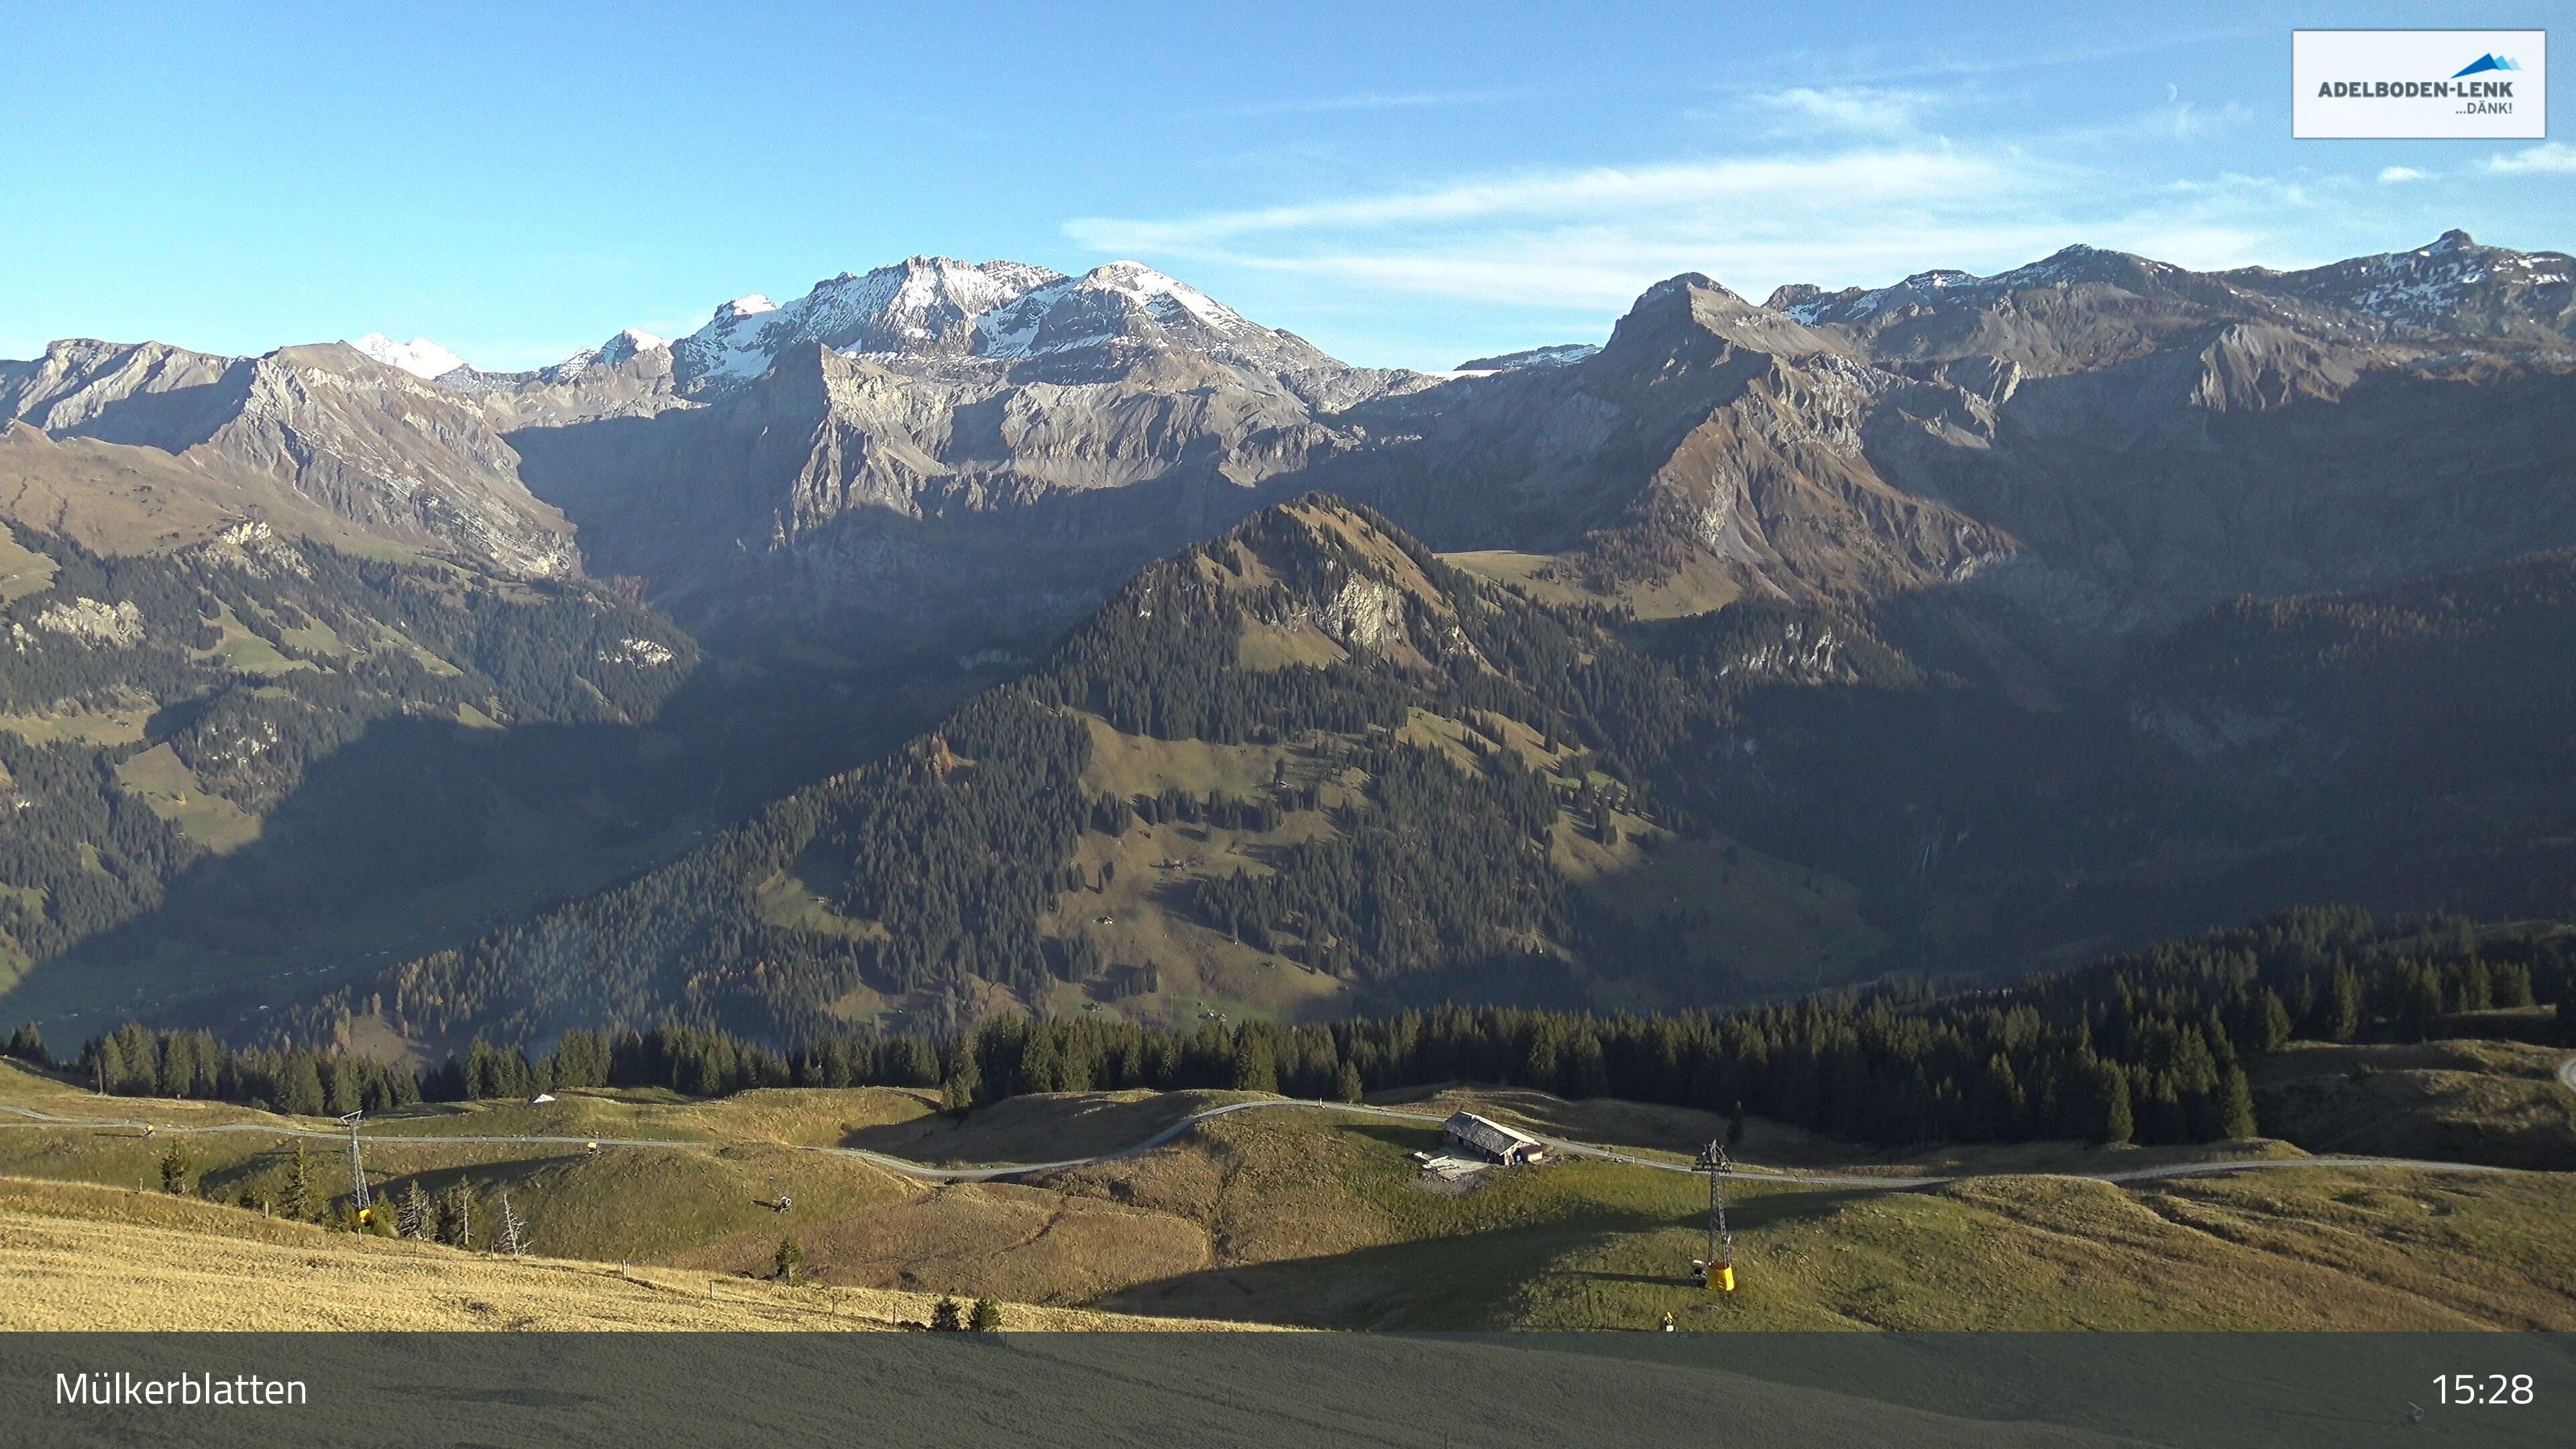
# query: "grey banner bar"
1070 1391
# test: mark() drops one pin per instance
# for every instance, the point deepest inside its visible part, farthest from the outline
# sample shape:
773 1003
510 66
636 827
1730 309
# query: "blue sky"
1402 185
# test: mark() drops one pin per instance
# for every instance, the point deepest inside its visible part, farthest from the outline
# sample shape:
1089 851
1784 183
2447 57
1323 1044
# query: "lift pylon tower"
1717 1270
361 1202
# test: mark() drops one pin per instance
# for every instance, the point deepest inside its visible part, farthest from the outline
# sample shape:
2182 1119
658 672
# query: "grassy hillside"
1365 1243
2468 1101
1269 1216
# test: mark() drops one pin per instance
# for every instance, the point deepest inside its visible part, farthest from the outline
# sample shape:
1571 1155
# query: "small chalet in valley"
1491 1139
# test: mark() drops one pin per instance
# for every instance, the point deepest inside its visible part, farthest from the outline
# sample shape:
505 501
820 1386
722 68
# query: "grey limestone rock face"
971 454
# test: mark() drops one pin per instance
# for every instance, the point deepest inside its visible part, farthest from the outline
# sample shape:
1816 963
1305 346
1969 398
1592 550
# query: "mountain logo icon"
2485 63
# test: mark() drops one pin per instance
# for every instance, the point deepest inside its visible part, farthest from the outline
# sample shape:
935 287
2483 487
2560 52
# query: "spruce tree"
945 1316
174 1171
2273 1027
298 1201
299 1088
1347 1086
1735 1125
789 1257
1254 1071
2419 1001
2343 1005
2119 1117
2477 986
2236 1105
987 1317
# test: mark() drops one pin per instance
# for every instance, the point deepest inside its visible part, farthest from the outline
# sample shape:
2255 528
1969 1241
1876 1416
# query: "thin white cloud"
1863 68
1589 241
1885 177
2549 156
1863 109
2398 175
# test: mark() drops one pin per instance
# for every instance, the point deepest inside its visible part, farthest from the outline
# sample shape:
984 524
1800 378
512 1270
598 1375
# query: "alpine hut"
1489 1138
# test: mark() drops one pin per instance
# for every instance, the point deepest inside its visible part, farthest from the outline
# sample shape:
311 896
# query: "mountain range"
1870 629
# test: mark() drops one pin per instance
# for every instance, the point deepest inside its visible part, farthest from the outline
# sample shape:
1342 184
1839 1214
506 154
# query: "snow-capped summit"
1108 302
633 342
628 343
916 307
420 357
626 346
939 312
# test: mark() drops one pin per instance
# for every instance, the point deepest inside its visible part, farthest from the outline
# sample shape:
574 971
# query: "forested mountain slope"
1303 767
2406 746
161 712
1308 770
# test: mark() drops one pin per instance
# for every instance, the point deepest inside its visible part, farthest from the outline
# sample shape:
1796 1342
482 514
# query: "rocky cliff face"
401 458
972 452
2109 441
978 451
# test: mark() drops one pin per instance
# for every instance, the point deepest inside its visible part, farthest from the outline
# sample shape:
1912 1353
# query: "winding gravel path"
981 1172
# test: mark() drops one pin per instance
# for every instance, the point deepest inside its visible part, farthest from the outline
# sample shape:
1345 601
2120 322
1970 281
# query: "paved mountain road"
980 1172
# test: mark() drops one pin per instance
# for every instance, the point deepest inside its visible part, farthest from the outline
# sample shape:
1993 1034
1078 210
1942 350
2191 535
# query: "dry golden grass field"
78 1257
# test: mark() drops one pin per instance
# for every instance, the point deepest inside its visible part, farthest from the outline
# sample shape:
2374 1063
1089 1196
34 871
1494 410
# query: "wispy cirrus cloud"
1877 68
1877 110
1590 239
1923 175
2550 156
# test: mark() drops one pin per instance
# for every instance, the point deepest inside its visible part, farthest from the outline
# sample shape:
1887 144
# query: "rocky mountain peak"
1562 354
922 306
1693 306
629 343
1120 301
2452 284
420 357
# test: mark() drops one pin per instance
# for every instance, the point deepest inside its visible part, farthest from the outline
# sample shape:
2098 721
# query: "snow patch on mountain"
1103 305
1562 354
2074 266
420 357
626 346
919 306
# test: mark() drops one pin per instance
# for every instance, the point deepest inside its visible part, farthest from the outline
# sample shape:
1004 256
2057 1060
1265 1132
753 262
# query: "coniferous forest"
1442 742
1418 872
252 660
2150 1046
